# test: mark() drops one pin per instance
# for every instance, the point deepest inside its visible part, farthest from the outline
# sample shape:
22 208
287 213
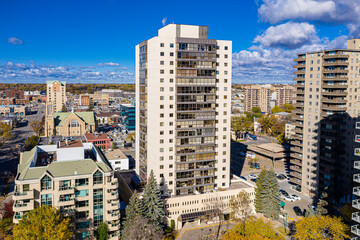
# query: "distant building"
56 94
85 100
75 178
96 99
100 140
108 117
13 110
258 96
127 112
282 115
290 130
11 121
285 95
117 159
68 124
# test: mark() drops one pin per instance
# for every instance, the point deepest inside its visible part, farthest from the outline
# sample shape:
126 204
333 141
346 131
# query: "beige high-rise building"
326 108
183 109
285 95
56 94
258 96
75 178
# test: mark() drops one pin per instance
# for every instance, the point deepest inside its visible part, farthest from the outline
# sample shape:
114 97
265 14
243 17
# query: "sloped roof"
51 82
88 117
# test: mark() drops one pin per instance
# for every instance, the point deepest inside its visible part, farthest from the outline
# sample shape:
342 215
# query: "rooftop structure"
75 178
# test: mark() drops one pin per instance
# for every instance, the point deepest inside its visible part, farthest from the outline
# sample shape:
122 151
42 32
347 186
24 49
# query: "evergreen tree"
270 196
132 210
258 189
101 232
321 206
152 204
63 109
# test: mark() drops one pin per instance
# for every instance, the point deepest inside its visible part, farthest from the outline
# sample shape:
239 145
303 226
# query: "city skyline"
89 42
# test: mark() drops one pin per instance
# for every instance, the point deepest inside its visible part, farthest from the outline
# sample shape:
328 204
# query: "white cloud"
163 21
276 11
289 35
15 41
274 65
325 11
36 73
110 64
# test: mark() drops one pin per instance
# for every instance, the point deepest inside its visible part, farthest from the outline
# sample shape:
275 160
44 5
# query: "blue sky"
94 41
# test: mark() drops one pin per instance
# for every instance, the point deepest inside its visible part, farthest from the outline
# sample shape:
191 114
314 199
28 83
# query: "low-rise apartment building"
100 140
13 110
75 178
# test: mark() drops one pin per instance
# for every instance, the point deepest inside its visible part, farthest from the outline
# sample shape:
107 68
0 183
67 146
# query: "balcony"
112 195
67 190
356 191
356 177
113 215
296 162
355 229
335 85
296 155
23 195
300 59
334 93
336 63
299 72
299 79
297 143
355 216
335 108
297 149
357 165
356 203
295 168
22 207
336 55
336 70
114 225
333 100
299 65
295 175
66 202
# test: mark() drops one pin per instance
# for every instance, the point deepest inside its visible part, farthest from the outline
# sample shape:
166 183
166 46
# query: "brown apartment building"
258 96
325 116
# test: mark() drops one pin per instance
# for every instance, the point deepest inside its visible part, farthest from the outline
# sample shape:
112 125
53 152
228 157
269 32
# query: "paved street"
9 155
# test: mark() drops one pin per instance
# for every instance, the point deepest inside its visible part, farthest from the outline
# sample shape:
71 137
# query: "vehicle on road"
283 192
287 198
281 177
254 179
297 211
252 176
243 178
295 197
252 137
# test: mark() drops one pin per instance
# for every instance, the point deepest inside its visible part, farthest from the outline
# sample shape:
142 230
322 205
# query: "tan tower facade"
56 94
326 109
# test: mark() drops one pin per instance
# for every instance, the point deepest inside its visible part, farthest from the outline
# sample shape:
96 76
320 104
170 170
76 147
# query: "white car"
295 197
288 198
252 176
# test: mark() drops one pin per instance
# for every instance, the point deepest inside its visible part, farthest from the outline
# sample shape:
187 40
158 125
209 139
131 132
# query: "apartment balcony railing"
357 165
356 177
356 191
23 195
355 229
356 203
355 216
336 63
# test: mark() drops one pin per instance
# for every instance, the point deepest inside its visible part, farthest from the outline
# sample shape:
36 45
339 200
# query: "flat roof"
115 154
272 147
76 143
93 136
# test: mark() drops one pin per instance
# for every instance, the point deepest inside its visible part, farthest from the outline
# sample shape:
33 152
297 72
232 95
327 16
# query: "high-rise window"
98 177
46 183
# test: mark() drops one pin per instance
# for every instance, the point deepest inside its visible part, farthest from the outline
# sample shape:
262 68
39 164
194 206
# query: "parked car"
252 137
252 176
297 211
281 177
254 179
244 178
283 192
295 197
287 198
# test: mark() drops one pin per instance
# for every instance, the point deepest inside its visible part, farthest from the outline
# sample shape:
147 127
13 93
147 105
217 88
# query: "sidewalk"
194 231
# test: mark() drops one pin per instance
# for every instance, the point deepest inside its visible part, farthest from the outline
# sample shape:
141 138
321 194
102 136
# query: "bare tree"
5 134
240 206
216 210
36 126
140 229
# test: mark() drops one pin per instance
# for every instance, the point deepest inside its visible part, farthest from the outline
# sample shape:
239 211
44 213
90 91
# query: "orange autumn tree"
43 223
321 227
252 229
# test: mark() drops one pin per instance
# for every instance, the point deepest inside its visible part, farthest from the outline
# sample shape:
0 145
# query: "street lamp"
285 223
